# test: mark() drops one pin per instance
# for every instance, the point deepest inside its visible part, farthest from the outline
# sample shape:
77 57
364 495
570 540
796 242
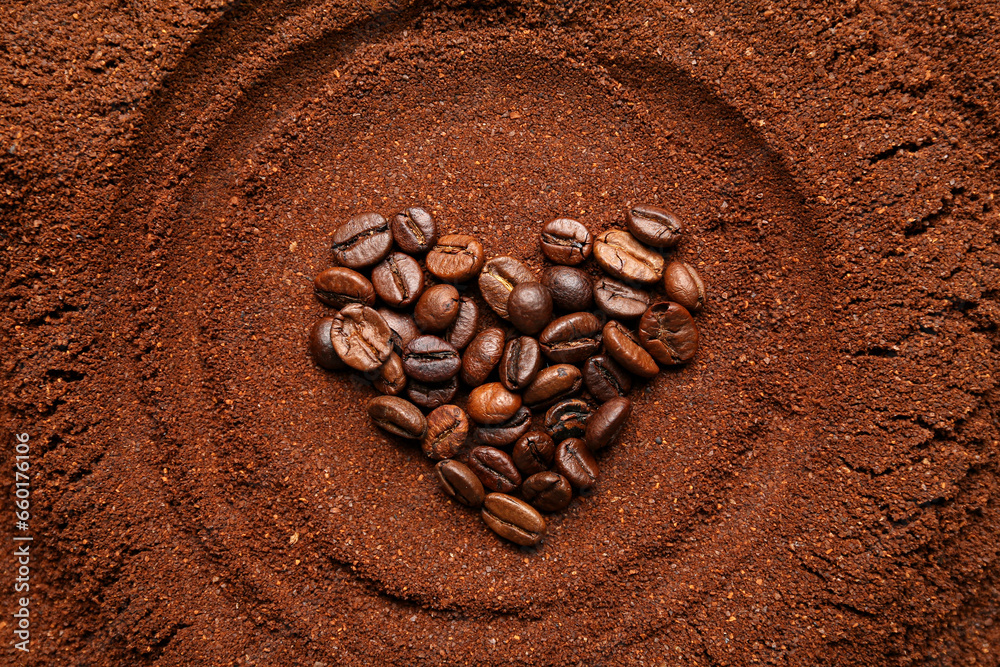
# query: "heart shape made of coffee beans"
548 379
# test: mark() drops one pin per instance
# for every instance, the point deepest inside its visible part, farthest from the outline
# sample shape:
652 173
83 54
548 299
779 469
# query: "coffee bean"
607 422
684 286
341 286
534 452
668 333
362 241
513 519
457 258
654 226
571 338
466 324
605 379
553 383
504 433
390 378
566 241
430 395
498 278
404 329
447 428
460 483
414 230
397 416
361 337
620 301
530 307
621 256
547 491
494 468
491 403
626 350
321 345
520 363
398 280
576 463
431 359
482 356
567 419
437 308
570 287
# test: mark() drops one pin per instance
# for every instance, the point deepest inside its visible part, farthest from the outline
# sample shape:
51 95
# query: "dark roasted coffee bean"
668 333
576 463
605 379
492 404
654 226
607 422
341 286
534 452
398 280
430 395
570 287
521 361
321 345
361 337
621 256
566 241
530 307
414 230
431 359
397 416
547 491
504 433
466 324
683 285
571 338
437 308
482 356
460 483
447 428
567 419
362 241
627 351
513 519
620 301
390 378
404 329
457 258
498 278
553 383
494 468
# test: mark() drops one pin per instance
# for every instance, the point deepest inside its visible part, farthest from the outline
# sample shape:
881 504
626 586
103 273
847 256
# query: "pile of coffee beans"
547 376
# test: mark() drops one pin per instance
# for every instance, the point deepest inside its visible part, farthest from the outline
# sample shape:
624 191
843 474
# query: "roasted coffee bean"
482 356
668 333
414 230
530 307
460 483
620 301
605 379
491 403
576 463
390 378
571 338
362 241
498 278
654 226
404 329
437 308
361 337
447 428
494 468
341 286
430 395
431 359
566 241
570 287
521 361
398 280
553 383
466 324
457 258
621 256
683 285
513 519
321 345
534 452
547 491
607 422
504 433
567 419
627 351
397 416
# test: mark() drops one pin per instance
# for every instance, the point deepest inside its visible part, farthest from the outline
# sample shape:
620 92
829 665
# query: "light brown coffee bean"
668 333
683 285
552 384
390 378
447 428
491 403
361 337
397 416
622 345
341 286
654 226
497 280
457 258
547 491
513 519
460 483
494 468
482 356
623 257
